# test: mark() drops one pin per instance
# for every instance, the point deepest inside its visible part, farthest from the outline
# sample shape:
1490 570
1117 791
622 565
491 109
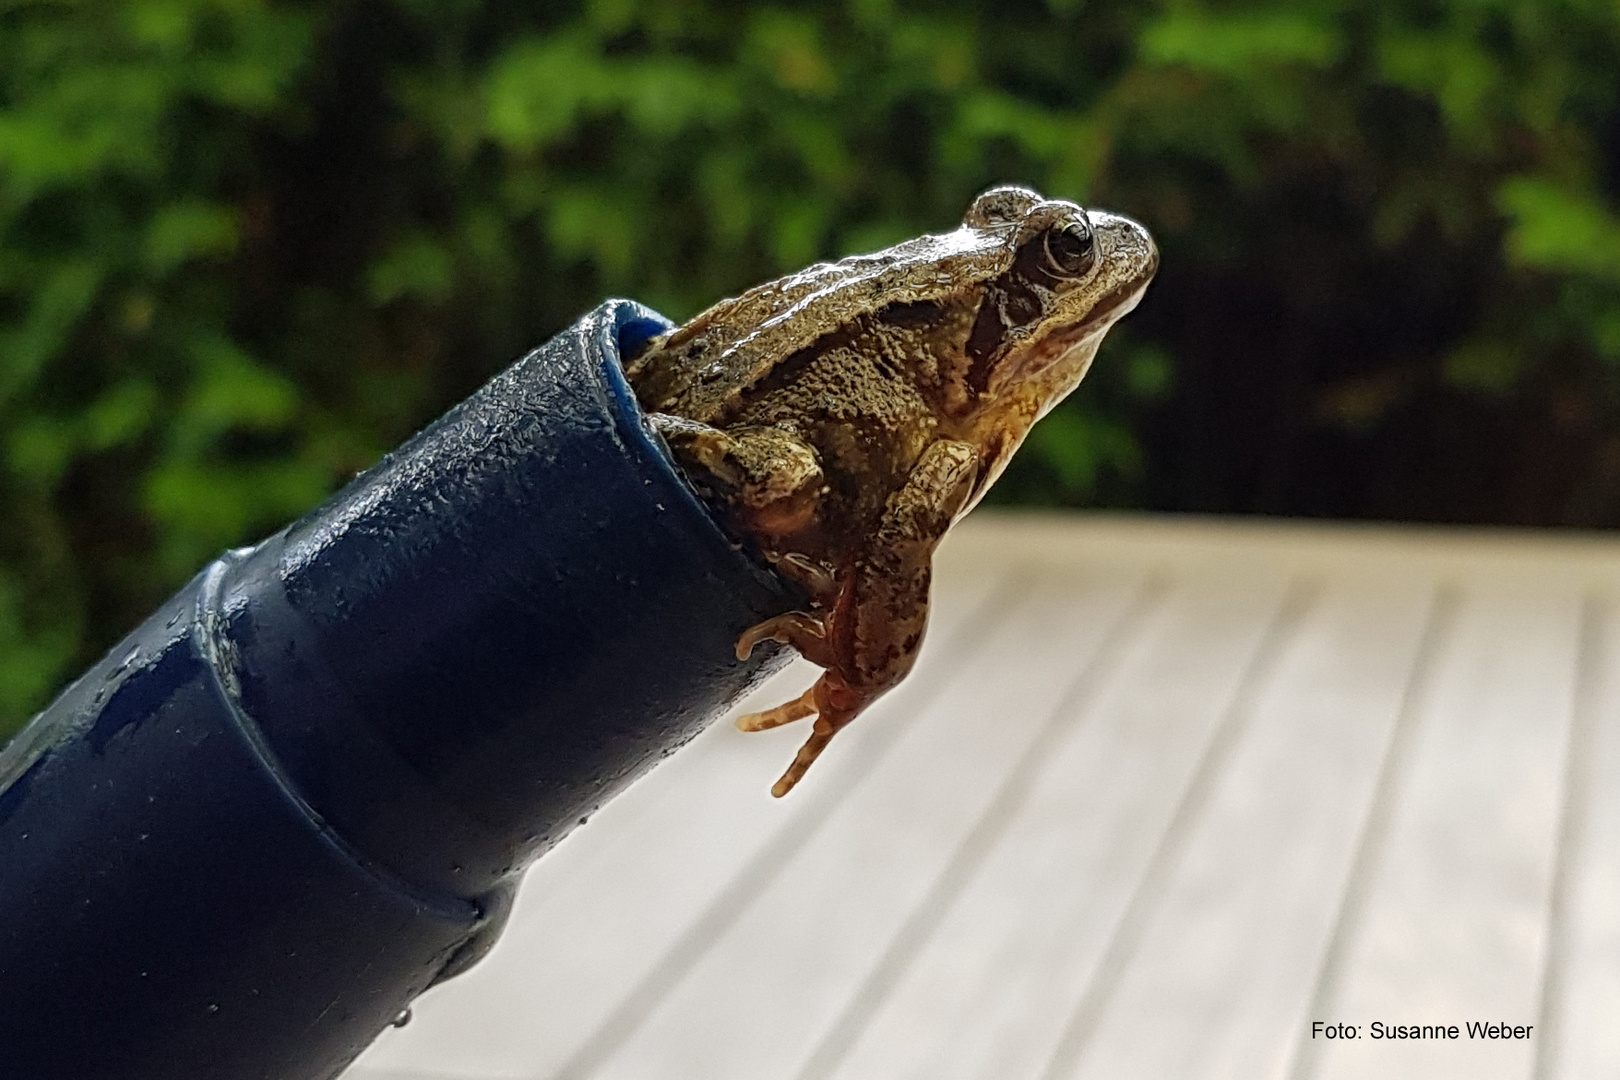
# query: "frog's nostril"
1070 251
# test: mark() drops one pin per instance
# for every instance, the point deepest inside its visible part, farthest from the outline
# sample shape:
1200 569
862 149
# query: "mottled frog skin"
841 418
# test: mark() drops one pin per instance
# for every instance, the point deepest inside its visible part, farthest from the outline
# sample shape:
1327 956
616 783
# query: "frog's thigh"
770 478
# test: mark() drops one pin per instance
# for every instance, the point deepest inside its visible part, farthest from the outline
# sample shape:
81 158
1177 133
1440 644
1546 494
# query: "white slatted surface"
1159 794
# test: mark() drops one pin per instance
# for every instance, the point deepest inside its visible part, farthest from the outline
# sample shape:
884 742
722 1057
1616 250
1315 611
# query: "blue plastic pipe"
303 791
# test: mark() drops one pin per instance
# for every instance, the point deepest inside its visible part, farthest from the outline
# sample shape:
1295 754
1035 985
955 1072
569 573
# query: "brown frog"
843 417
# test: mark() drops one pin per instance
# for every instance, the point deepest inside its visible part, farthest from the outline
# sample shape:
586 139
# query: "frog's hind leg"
872 634
832 701
805 632
808 634
800 707
836 703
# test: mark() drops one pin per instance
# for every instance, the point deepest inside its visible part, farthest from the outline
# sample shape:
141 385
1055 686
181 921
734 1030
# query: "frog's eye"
1070 251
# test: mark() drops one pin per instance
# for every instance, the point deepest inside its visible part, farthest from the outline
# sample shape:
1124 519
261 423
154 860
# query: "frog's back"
705 369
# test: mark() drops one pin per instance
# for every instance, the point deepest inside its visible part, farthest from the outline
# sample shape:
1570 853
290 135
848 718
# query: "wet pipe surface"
244 841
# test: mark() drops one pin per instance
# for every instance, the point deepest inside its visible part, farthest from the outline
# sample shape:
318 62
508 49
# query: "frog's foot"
806 633
800 707
837 703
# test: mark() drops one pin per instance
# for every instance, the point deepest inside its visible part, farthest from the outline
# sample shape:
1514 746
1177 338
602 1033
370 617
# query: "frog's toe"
800 707
838 704
820 736
804 632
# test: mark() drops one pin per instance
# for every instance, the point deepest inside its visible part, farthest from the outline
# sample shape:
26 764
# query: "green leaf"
1233 44
33 654
40 448
207 506
1452 68
536 89
664 97
121 414
189 230
415 265
59 302
1558 229
232 390
1149 372
1484 364
1078 446
787 46
594 223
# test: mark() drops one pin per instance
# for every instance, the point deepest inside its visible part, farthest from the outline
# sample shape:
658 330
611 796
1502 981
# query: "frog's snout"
1126 244
1128 257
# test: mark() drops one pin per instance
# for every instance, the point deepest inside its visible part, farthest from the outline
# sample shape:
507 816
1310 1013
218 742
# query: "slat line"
1438 626
1073 707
757 873
1071 1045
1589 689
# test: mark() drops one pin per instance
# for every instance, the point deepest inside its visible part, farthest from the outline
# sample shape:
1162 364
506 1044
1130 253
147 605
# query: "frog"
839 420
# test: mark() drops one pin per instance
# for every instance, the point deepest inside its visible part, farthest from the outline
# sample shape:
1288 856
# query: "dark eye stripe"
984 340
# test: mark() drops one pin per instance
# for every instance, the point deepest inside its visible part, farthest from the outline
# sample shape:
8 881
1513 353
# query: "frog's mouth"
1121 300
1054 364
1128 245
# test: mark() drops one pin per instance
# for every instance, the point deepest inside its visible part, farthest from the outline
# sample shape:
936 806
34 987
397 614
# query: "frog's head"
1069 275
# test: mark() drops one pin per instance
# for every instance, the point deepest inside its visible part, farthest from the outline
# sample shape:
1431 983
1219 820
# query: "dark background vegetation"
247 246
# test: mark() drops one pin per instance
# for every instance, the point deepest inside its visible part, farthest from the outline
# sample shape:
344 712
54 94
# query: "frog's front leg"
868 641
768 478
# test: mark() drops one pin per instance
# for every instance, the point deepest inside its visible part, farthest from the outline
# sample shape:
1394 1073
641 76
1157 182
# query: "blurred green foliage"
247 246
